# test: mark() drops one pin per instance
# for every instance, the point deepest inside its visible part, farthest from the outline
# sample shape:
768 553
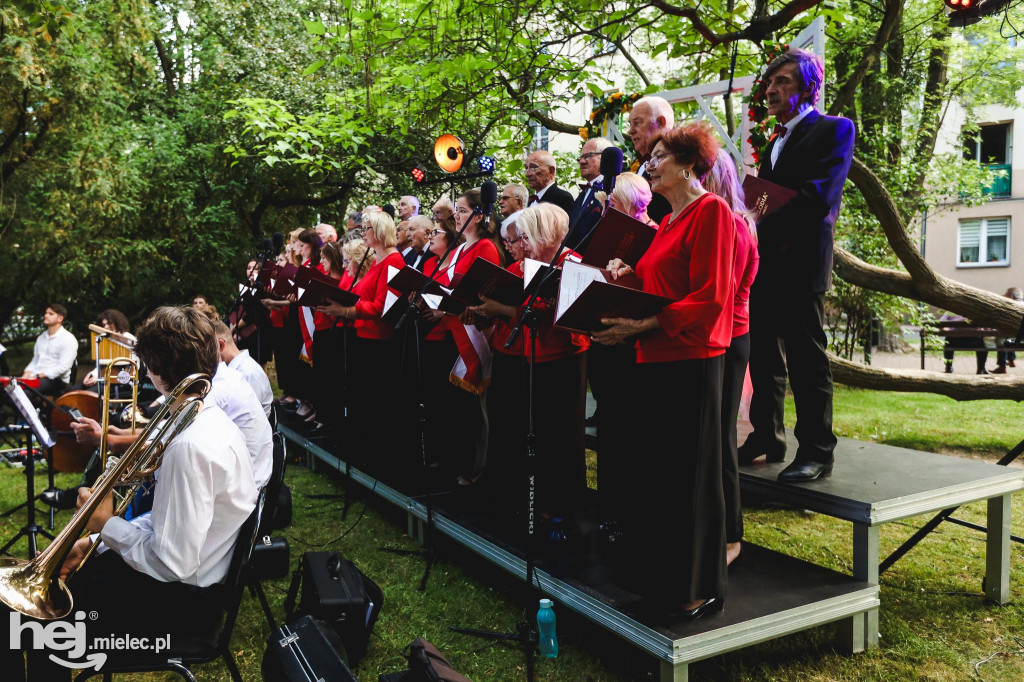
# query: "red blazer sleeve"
712 259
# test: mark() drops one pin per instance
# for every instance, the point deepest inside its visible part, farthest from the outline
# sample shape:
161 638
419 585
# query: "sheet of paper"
432 300
530 268
390 299
28 411
392 271
576 277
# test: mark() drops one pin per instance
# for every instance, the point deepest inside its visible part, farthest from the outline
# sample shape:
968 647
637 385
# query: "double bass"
68 455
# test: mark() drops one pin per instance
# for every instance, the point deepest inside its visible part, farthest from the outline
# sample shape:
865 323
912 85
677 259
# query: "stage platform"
770 594
873 484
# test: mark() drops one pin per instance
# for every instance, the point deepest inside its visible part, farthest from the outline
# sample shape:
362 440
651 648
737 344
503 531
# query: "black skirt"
673 518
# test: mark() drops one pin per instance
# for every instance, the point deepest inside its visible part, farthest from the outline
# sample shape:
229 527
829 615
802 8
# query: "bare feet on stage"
732 552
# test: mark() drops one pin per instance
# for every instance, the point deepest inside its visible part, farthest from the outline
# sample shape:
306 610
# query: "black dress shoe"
711 605
60 499
805 471
748 453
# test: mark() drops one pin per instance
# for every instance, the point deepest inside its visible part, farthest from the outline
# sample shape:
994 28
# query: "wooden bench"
962 329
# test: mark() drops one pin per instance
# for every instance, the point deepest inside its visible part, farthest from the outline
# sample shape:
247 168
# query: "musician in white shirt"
54 353
177 557
241 362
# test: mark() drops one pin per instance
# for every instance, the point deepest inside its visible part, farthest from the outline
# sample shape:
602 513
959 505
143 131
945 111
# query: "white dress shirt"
206 493
790 127
231 393
255 376
54 354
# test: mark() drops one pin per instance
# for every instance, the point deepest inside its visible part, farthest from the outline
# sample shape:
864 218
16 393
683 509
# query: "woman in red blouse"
678 385
559 379
723 181
373 364
355 260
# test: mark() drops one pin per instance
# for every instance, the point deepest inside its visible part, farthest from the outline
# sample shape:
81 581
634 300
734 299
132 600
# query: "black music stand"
32 427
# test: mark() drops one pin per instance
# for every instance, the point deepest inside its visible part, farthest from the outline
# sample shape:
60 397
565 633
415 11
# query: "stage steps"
770 594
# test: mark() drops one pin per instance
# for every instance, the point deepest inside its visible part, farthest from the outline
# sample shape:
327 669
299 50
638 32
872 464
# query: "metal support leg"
865 567
997 550
411 525
674 672
851 633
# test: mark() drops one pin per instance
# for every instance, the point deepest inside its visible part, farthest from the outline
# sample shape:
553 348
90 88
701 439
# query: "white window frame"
983 243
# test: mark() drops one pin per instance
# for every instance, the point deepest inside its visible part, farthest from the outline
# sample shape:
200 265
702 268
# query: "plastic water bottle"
546 630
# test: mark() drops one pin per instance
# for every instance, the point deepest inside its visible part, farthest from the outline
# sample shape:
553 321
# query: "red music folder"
585 296
618 236
317 293
763 196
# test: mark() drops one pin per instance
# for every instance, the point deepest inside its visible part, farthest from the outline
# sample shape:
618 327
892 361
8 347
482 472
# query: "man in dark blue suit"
811 155
586 209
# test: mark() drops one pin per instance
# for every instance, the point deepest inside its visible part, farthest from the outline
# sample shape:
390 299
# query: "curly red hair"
693 144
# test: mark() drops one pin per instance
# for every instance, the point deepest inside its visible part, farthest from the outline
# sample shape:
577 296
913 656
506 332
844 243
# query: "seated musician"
230 392
241 362
111 320
176 558
54 353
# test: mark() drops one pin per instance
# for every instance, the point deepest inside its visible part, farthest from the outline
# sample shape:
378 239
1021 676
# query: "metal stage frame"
837 599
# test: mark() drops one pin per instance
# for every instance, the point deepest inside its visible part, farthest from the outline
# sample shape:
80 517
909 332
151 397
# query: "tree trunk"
958 387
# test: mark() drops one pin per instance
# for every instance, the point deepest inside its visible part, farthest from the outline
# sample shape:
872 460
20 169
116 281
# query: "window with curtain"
984 241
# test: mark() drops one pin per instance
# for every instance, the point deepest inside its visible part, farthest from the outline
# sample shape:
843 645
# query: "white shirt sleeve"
66 359
167 545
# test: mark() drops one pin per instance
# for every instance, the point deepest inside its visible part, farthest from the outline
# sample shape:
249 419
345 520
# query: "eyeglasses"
656 159
589 155
510 242
532 168
506 197
434 233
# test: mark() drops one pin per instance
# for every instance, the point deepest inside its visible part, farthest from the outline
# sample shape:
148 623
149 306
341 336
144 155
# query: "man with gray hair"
648 119
586 210
811 155
408 206
540 177
326 232
443 209
513 198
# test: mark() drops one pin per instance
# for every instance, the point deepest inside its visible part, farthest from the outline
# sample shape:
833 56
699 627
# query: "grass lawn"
933 621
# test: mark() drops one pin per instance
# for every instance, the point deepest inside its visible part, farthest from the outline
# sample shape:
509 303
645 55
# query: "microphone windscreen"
266 245
489 193
278 242
389 209
611 163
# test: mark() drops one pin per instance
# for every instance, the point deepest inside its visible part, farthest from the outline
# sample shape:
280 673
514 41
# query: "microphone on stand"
611 167
277 242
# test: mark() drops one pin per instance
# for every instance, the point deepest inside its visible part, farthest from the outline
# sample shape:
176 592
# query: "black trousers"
559 413
611 370
374 393
732 391
787 337
51 387
506 415
125 602
673 521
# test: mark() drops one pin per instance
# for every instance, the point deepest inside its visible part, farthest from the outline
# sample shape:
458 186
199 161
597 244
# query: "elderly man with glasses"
540 177
512 200
586 210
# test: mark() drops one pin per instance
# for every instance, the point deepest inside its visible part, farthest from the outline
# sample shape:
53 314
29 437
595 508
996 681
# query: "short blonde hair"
383 227
543 224
355 250
632 193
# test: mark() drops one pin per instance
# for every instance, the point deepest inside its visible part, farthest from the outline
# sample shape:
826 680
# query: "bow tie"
584 186
780 130
531 200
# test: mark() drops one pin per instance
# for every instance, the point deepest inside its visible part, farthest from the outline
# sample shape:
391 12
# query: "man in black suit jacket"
810 154
540 178
586 209
419 227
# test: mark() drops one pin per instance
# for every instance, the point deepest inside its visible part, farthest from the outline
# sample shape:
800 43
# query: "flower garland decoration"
761 124
608 109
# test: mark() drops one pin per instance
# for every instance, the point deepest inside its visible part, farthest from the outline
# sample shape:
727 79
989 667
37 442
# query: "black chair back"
235 582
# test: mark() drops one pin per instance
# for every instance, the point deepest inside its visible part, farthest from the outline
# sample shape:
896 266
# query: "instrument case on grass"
307 650
335 591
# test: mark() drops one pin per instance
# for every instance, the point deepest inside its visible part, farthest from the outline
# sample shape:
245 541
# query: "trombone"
34 587
122 370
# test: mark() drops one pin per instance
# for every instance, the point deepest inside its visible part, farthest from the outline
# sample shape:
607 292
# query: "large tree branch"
890 20
165 64
756 31
931 110
958 387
